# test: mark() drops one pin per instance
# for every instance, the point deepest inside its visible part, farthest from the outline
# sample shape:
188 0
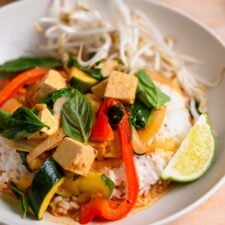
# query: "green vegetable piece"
25 63
109 183
22 123
50 99
91 184
148 93
45 184
139 114
115 114
78 117
23 198
81 80
96 73
23 157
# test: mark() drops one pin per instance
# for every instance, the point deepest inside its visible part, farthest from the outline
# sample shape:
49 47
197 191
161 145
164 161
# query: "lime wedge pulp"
194 155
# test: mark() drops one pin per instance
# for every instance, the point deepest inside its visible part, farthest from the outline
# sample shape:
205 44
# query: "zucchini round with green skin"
93 183
45 184
81 80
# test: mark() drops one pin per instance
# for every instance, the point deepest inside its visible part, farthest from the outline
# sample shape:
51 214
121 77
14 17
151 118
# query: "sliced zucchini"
45 184
93 183
63 192
80 80
35 163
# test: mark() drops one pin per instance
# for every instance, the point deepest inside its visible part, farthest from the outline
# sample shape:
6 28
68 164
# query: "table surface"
212 211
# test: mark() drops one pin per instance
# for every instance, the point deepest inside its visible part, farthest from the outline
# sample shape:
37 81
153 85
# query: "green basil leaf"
23 198
25 63
148 93
22 123
50 99
139 114
78 117
93 72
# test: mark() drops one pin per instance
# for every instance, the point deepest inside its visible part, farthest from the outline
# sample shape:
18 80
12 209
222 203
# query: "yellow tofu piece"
122 87
52 81
95 102
11 105
108 67
99 89
47 118
75 156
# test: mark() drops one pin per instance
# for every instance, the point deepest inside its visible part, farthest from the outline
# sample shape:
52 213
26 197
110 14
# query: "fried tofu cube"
75 156
48 119
52 81
108 67
122 87
99 89
11 105
95 102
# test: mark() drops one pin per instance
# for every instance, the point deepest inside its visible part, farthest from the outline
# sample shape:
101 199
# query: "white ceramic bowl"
17 38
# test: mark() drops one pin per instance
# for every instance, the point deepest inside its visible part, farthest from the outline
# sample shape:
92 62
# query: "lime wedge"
194 155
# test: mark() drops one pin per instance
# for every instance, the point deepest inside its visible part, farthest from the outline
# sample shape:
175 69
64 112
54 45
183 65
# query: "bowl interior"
18 37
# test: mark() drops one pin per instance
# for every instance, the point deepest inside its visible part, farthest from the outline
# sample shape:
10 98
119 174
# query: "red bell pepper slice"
102 131
99 205
19 81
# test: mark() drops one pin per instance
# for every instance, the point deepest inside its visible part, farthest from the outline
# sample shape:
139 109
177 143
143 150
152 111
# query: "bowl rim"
219 39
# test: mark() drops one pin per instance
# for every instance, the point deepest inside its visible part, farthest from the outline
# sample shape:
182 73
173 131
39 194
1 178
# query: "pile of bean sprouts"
72 27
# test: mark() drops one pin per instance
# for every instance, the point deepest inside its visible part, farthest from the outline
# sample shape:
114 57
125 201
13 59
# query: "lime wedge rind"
172 170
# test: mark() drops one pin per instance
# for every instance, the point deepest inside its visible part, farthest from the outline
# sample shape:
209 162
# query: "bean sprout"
74 28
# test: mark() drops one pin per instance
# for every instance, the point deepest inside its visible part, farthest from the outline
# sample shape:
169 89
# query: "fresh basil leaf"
93 72
78 117
23 198
139 114
22 123
25 63
50 99
148 93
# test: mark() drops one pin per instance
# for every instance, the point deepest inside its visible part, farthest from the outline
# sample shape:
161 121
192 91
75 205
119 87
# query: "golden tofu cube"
75 156
52 81
121 86
48 119
95 102
11 105
108 67
99 89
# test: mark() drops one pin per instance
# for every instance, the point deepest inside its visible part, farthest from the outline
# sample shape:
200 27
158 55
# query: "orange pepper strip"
99 205
19 81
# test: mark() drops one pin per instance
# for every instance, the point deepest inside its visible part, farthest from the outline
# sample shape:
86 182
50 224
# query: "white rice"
11 167
148 168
